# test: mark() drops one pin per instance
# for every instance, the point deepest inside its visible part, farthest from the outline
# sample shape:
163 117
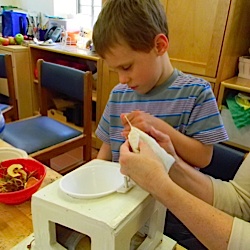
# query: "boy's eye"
126 67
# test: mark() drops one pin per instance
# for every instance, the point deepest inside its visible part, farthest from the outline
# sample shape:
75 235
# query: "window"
89 11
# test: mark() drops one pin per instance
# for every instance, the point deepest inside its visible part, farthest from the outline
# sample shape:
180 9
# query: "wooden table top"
15 220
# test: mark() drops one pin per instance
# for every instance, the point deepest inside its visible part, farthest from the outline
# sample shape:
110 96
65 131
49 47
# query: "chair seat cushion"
4 106
37 133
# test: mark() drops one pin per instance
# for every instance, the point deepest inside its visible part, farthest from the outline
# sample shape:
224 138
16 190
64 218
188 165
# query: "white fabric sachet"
136 134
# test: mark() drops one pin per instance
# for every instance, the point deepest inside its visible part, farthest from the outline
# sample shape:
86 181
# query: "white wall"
62 8
44 6
9 2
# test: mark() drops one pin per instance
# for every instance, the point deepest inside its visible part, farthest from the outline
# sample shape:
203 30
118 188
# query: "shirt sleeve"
102 131
233 197
240 235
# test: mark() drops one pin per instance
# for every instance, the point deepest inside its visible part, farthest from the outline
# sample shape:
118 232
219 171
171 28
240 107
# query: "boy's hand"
138 119
143 121
164 141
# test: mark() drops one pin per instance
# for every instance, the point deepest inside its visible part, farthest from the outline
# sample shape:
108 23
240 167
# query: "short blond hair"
135 22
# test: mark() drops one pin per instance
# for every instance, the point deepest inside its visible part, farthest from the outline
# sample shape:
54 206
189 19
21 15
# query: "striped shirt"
185 102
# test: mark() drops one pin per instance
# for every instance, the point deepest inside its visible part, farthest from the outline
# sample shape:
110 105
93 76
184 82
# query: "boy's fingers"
125 134
143 146
158 135
123 119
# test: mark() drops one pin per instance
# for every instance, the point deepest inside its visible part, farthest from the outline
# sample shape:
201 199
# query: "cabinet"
109 80
239 138
23 85
72 56
207 37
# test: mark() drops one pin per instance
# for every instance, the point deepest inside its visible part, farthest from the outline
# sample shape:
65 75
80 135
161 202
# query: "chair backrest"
62 79
73 83
76 85
225 162
6 72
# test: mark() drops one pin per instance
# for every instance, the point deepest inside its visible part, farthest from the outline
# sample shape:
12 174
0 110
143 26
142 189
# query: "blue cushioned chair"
225 162
8 104
44 138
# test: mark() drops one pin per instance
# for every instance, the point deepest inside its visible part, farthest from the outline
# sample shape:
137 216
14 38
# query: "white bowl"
92 181
8 153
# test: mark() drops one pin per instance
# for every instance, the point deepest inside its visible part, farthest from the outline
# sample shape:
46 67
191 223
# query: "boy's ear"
161 44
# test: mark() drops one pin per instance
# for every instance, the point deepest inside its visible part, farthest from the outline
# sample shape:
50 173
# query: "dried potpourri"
15 178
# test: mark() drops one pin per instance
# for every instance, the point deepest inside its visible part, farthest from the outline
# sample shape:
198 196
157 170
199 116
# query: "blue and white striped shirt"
185 102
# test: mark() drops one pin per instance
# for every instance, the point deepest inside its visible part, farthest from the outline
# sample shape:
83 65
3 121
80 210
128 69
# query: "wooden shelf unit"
22 79
229 86
235 83
70 56
207 37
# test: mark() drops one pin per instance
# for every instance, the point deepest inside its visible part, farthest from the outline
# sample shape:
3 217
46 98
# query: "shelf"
68 50
81 59
237 83
22 78
238 138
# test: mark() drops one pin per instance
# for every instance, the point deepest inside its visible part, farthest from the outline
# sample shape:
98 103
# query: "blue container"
14 23
41 34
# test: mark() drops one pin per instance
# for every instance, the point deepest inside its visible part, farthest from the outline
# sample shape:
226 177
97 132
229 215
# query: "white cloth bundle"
134 137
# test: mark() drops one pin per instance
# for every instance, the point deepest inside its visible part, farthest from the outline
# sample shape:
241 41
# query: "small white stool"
110 221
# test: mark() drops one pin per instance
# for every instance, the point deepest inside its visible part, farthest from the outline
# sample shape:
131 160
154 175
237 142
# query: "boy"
132 37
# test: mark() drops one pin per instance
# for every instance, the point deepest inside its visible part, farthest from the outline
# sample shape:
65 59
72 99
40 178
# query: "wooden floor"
70 158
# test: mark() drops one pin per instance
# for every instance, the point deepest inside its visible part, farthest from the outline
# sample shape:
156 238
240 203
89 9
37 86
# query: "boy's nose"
123 78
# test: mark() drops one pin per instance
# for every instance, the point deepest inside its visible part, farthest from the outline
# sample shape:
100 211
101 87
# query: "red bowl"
29 165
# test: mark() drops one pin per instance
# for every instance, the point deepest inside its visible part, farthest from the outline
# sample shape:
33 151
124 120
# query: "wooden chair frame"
84 140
